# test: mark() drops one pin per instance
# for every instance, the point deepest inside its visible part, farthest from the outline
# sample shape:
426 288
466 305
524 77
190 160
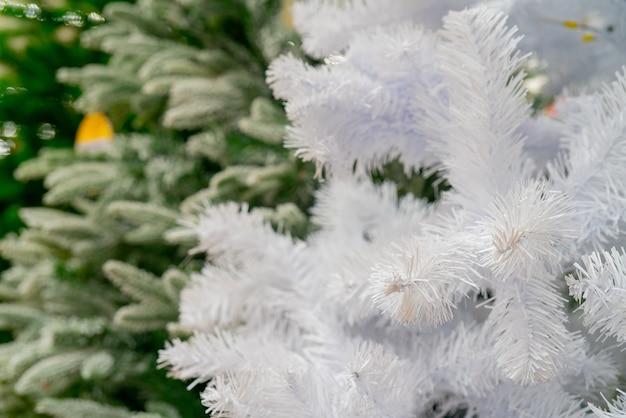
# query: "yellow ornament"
589 34
570 24
94 134
588 37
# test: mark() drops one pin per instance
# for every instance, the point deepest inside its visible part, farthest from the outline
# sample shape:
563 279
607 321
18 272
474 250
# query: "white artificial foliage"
475 125
593 137
418 281
530 341
617 410
396 307
359 219
544 400
592 375
328 26
601 287
529 236
575 43
333 108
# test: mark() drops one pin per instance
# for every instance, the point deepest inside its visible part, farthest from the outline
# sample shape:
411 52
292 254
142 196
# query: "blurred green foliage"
36 39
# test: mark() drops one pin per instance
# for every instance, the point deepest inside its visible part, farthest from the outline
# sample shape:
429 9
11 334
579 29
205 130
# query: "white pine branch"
530 230
205 356
592 373
593 172
356 112
600 284
616 410
544 400
328 26
359 219
230 234
296 392
530 342
419 281
379 384
480 146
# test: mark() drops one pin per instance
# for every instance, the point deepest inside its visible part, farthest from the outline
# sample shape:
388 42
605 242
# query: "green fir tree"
94 280
36 39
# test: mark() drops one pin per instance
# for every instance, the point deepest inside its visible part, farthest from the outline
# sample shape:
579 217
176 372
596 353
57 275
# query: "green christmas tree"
36 39
95 276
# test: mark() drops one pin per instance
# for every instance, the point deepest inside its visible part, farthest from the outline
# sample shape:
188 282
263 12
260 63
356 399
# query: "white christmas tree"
397 307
